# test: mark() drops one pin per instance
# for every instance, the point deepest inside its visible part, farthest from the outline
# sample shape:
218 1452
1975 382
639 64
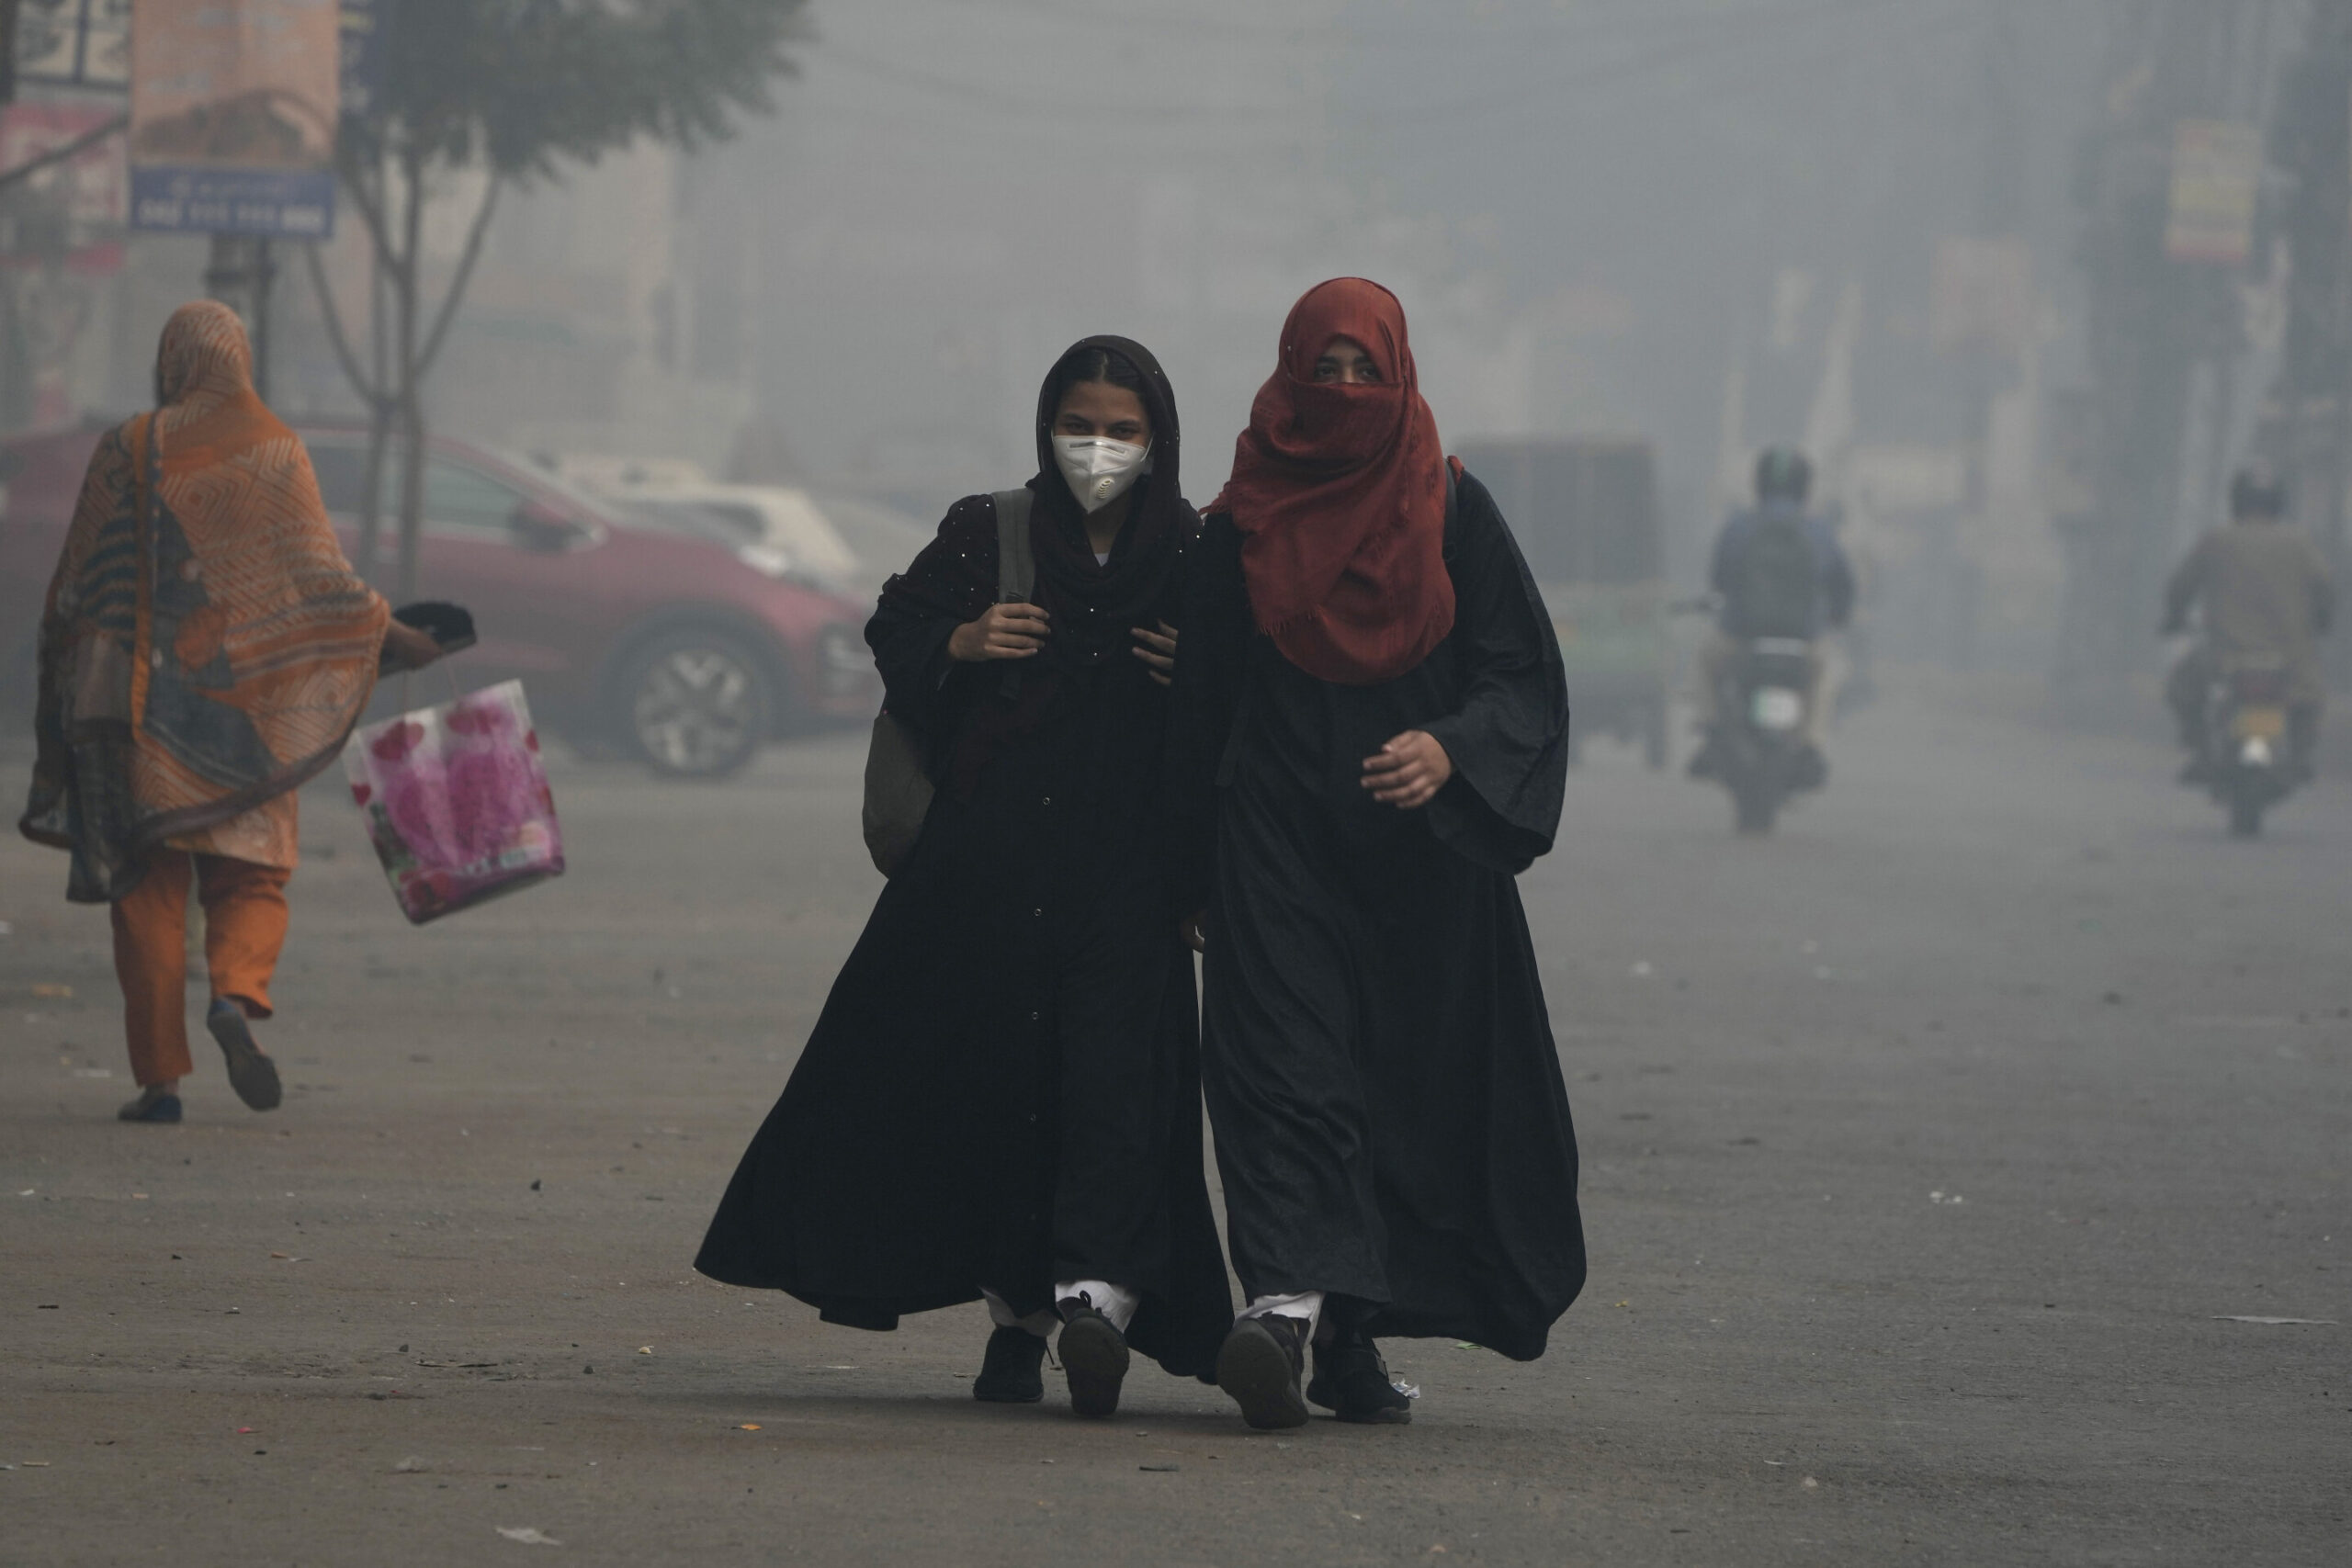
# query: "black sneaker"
250 1072
1094 1354
1351 1381
1259 1366
1706 762
1009 1373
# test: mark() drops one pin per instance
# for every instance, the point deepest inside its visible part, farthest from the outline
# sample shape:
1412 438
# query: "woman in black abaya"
1002 1097
1371 739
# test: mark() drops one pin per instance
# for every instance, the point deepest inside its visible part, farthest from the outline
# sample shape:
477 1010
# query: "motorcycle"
1758 744
2249 762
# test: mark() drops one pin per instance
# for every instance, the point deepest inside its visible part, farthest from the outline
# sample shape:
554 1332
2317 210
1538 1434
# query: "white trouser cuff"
1041 1323
1114 1302
1307 1304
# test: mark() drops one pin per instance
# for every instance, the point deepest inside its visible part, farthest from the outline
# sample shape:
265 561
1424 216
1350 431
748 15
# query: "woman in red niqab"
1370 741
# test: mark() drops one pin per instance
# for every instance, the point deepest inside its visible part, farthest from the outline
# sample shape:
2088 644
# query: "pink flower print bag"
455 801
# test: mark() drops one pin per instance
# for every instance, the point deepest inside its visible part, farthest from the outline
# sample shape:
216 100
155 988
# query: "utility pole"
2156 316
241 273
2304 429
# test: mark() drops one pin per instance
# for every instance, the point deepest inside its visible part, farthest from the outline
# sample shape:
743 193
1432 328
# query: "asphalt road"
1937 1152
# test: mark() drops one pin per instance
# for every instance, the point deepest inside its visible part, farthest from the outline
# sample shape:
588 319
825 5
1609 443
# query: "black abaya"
1391 1124
1003 1089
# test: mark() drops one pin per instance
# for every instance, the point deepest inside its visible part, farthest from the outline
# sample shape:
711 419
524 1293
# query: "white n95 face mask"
1099 470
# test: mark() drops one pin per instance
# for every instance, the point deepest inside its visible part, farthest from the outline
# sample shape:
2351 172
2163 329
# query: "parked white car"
843 544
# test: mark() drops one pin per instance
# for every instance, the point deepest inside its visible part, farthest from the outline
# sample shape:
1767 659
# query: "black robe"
1003 1088
1391 1124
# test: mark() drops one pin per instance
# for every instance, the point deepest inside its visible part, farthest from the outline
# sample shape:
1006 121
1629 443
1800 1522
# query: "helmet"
1782 474
2257 492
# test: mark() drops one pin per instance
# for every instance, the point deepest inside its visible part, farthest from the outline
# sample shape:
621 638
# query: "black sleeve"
952 581
1840 584
1213 634
1509 735
2187 584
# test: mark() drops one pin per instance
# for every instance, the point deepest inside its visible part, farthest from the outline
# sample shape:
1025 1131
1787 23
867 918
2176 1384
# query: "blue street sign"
298 204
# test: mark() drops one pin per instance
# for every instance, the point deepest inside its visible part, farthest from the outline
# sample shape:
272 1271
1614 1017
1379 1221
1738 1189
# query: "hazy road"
1930 1147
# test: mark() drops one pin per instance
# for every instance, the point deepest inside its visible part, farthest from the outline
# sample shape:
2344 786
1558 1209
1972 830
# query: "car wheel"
695 703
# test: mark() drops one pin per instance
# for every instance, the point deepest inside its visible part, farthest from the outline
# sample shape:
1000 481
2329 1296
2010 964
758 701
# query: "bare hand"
1005 631
1158 651
1196 931
1408 771
405 647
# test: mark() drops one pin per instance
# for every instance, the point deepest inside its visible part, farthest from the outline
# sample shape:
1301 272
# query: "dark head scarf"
1094 606
1339 495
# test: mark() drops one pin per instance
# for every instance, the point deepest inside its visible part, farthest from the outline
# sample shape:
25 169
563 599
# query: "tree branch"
328 312
459 280
369 203
64 151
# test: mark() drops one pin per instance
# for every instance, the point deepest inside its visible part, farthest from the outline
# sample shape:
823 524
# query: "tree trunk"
406 299
379 427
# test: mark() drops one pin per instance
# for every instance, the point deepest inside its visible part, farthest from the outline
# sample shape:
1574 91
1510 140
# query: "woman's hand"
405 647
1005 631
1408 771
1158 651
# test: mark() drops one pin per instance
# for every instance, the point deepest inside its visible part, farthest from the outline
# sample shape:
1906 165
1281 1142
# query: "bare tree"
515 89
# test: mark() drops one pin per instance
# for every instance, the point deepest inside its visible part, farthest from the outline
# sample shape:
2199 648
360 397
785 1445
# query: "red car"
689 651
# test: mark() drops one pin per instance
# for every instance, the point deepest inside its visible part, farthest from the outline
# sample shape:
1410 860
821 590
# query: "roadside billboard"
74 43
232 115
77 215
2216 181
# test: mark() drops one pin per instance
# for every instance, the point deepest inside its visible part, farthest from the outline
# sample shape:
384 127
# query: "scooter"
1763 757
2249 762
1759 742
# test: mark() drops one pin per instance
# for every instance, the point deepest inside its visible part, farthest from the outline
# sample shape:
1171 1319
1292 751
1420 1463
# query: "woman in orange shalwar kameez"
204 649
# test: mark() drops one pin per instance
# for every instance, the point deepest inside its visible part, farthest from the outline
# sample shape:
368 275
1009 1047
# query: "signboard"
87 192
364 22
232 115
2216 179
74 43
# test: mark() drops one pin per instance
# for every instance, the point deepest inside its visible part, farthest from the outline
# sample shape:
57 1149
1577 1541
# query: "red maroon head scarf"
1339 494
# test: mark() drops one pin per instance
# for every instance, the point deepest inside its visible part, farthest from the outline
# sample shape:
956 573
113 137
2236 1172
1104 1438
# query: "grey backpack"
897 786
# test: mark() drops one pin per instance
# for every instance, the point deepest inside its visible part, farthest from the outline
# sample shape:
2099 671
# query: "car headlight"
842 650
766 559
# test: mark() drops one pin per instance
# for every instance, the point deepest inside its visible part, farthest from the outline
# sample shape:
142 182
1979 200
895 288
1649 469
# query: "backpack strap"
1016 557
1016 565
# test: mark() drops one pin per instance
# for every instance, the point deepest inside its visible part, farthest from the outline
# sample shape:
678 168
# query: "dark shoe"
1351 1381
2194 774
1009 1373
253 1075
1812 770
1706 762
151 1108
1094 1354
1259 1367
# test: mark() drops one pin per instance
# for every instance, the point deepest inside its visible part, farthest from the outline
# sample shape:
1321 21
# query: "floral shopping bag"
456 802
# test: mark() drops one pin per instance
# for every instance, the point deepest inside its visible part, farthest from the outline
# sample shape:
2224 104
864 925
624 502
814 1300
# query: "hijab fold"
1339 491
205 648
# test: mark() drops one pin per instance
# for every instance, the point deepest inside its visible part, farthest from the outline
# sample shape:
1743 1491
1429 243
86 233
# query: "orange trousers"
244 926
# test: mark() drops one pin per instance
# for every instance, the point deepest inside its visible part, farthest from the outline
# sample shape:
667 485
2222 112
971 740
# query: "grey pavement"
1938 1151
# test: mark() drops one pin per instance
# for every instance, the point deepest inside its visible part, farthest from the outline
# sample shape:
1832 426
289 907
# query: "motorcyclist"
2266 594
1779 571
